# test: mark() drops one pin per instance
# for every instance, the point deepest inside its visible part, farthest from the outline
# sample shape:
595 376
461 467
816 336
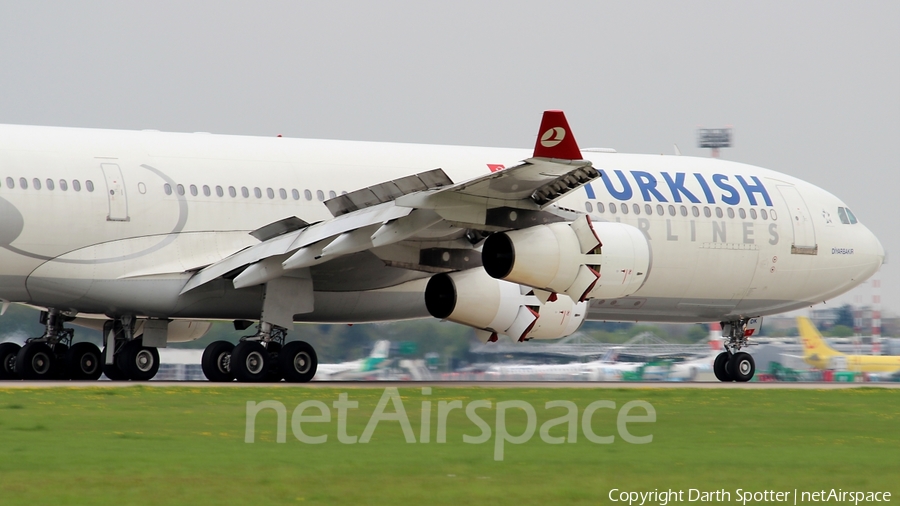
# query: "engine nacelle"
580 259
475 299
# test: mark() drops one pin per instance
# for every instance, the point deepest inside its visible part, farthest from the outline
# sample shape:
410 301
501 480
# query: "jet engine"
475 299
580 259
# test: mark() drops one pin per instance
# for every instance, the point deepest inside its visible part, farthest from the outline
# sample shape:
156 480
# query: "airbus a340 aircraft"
147 235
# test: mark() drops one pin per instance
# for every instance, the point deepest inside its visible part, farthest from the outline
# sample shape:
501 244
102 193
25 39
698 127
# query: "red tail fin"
555 139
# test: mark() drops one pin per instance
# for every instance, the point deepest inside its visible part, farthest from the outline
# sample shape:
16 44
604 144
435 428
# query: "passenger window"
612 208
23 183
232 191
648 209
719 212
282 193
76 185
320 195
37 183
671 210
219 191
730 212
763 214
624 208
307 194
166 187
10 182
206 191
774 217
194 190
683 211
695 211
179 189
257 192
659 209
270 193
636 208
600 208
742 213
850 215
707 212
295 194
588 207
50 184
331 194
843 216
62 185
89 185
245 192
752 213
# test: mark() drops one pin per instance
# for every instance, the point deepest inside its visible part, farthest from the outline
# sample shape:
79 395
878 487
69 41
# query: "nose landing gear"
733 364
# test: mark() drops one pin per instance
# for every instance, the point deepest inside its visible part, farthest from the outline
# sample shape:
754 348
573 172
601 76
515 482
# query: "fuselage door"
115 192
801 221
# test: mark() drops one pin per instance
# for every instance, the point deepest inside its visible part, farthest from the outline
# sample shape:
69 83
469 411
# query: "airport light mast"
714 139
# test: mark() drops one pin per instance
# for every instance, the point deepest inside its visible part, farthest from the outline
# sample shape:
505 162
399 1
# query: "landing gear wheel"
742 366
8 353
84 362
250 362
720 367
216 361
35 362
298 362
139 363
59 362
112 371
274 375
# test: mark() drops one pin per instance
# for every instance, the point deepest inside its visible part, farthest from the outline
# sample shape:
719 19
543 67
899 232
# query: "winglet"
555 139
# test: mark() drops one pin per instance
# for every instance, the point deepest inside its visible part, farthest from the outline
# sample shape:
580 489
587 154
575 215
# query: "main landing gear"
733 364
51 356
131 360
262 357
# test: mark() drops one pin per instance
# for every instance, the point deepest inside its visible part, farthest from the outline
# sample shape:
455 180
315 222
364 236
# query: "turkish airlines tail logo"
555 139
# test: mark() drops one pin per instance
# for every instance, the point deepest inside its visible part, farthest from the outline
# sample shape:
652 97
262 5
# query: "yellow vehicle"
818 354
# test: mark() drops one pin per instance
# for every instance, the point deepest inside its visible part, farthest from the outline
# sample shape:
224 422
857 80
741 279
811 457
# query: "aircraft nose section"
876 252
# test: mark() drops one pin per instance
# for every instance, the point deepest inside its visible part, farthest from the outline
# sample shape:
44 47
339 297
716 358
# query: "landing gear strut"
733 364
263 356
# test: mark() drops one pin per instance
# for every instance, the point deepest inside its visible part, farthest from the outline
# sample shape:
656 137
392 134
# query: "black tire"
250 362
720 367
138 362
84 362
59 362
35 362
298 362
8 354
111 371
216 361
742 366
274 375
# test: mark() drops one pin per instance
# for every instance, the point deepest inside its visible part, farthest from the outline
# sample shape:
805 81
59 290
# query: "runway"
608 385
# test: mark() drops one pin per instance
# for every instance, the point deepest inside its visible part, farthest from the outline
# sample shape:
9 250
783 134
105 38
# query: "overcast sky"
811 89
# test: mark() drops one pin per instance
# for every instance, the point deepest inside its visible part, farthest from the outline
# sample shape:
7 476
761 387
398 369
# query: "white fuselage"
726 239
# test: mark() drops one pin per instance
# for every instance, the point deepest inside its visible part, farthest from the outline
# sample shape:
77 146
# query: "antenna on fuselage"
714 139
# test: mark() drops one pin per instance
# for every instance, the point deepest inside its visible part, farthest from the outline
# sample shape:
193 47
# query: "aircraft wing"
418 222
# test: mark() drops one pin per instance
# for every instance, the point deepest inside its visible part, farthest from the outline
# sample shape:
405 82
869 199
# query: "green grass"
148 445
